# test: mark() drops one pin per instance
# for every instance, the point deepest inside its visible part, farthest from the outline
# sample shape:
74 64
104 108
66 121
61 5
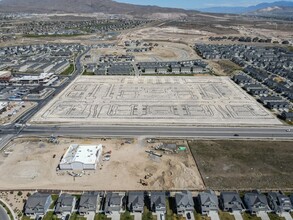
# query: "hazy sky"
193 4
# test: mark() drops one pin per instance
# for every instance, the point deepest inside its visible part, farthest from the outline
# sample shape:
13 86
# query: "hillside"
275 11
240 10
81 6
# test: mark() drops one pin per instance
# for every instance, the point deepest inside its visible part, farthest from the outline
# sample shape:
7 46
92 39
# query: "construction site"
124 164
154 100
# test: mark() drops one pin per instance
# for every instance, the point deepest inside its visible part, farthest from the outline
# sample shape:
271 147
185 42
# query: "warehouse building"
81 157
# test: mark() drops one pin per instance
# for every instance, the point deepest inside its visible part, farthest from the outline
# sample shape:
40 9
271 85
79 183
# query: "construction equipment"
153 153
148 175
53 139
143 182
108 152
182 148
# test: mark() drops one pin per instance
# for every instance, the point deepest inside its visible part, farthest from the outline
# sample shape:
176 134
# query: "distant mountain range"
243 10
82 6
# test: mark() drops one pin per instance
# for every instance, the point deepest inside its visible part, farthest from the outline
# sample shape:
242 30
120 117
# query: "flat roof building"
81 157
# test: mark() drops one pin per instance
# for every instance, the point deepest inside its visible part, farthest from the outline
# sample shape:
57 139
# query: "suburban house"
231 202
277 105
279 203
267 99
208 201
184 202
113 203
158 202
65 205
241 79
37 205
135 201
256 202
287 116
88 203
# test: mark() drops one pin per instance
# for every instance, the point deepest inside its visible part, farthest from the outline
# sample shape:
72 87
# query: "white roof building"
81 157
42 78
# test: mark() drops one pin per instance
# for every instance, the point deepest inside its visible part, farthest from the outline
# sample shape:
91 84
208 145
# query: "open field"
245 164
30 164
154 100
224 67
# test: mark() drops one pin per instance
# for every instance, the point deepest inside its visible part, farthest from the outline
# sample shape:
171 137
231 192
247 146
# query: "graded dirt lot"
245 164
29 164
154 100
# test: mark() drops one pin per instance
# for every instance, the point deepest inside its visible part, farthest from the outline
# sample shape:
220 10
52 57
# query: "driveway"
137 215
90 216
189 215
160 215
287 216
263 215
115 216
237 215
214 215
3 214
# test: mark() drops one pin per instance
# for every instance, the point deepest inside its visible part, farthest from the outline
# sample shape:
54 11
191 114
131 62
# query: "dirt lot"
30 165
14 110
224 67
245 164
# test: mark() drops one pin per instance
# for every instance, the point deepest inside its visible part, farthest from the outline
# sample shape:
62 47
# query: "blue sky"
194 4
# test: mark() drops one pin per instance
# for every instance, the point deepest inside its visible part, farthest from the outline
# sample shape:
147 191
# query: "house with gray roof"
158 202
37 205
113 203
208 201
184 202
256 202
287 116
279 202
65 205
89 203
135 201
231 202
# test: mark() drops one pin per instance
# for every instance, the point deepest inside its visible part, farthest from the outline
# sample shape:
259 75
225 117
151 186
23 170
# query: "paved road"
162 131
3 214
7 132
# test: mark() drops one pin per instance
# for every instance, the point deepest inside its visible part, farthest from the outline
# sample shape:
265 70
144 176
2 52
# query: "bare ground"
30 165
245 164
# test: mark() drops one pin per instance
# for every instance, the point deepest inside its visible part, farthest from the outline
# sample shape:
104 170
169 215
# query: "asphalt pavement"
3 214
161 131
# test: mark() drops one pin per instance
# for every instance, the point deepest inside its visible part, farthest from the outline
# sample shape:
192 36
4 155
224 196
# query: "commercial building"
81 157
43 78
